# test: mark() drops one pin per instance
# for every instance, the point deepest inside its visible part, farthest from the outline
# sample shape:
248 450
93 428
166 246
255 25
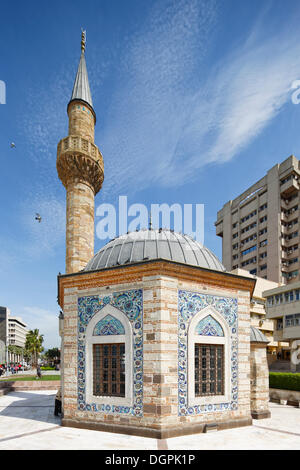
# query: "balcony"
219 229
80 160
74 143
290 186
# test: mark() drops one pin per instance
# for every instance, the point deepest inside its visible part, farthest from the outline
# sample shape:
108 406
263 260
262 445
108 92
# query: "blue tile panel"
131 304
208 326
109 325
189 304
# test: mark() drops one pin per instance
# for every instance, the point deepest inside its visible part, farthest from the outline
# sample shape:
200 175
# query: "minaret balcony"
77 144
78 159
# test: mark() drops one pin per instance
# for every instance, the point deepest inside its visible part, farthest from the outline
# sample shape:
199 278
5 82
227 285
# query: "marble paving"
27 422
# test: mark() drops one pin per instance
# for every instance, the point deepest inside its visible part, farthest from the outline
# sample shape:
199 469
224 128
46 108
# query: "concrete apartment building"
13 331
260 228
283 307
17 331
258 314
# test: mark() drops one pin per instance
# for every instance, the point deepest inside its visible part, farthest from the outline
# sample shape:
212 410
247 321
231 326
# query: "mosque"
155 334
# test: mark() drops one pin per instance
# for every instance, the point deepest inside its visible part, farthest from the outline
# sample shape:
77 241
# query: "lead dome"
144 245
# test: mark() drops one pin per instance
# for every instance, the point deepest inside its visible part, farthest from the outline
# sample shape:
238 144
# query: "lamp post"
6 350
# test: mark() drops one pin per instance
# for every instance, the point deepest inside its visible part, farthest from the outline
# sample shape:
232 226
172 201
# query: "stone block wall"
80 226
259 381
81 120
161 415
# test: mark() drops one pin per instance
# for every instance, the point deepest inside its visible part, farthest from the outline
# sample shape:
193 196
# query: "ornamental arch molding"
194 338
126 338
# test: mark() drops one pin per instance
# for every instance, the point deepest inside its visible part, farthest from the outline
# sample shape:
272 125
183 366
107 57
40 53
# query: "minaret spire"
80 168
81 89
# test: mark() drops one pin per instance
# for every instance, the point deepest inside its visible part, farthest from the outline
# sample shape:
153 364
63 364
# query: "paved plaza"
27 422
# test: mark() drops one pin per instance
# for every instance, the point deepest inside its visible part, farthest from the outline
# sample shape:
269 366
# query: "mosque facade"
156 335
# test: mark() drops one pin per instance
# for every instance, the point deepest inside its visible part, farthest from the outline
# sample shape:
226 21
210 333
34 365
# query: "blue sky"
193 104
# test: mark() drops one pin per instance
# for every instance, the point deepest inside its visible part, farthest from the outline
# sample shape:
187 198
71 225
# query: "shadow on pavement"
28 405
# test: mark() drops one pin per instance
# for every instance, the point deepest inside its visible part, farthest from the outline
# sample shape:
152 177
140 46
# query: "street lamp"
6 372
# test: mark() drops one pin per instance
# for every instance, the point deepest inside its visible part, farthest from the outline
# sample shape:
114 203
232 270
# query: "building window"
109 370
249 250
249 261
292 275
209 346
247 217
264 206
209 370
292 320
249 227
109 358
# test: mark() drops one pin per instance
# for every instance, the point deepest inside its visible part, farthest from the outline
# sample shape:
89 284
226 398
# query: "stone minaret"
80 168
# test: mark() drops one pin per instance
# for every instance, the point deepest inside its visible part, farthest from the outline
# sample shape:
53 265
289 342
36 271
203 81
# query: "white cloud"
166 122
45 321
149 110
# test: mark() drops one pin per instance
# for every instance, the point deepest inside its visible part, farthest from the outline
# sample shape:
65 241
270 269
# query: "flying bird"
38 217
12 145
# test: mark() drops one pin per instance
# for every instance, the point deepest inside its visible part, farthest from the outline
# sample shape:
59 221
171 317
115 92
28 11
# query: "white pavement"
27 422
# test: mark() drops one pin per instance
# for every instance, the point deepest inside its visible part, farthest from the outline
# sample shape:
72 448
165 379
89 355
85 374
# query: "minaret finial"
150 221
83 40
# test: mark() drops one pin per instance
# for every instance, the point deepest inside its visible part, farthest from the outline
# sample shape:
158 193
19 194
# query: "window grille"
109 370
209 370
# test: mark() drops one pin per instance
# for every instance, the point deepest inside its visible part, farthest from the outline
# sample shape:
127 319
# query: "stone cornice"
136 272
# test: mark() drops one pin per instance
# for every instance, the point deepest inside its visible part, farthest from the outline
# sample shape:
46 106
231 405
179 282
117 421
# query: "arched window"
109 358
208 358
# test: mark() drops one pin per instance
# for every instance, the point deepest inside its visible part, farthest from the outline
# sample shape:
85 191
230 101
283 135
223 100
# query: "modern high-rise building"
283 307
17 331
258 309
260 228
13 331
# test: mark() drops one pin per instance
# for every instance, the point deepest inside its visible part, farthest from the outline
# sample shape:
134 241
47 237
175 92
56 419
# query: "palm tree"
33 344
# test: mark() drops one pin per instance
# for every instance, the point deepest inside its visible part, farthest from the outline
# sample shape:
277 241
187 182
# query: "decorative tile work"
208 326
190 303
109 325
131 304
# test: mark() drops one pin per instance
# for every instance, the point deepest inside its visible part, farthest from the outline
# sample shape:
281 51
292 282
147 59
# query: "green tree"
52 354
33 345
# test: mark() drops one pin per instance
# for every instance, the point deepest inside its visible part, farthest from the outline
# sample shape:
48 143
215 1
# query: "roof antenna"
83 40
